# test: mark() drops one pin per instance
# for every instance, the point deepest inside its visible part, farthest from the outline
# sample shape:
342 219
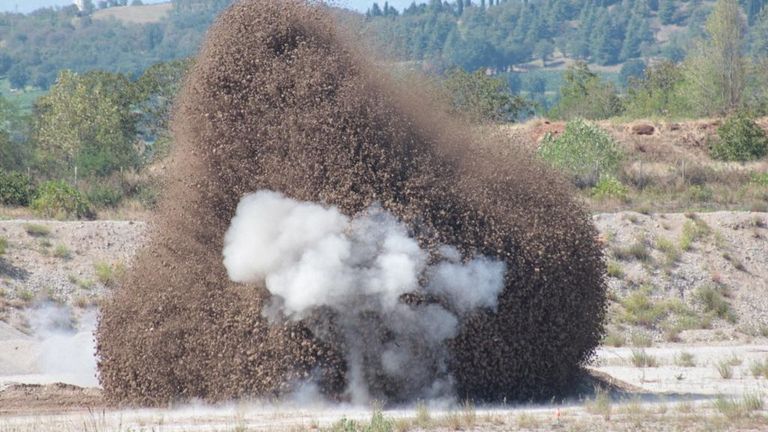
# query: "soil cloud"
281 100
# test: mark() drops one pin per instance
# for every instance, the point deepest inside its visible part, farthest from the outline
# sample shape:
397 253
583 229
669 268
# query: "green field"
23 98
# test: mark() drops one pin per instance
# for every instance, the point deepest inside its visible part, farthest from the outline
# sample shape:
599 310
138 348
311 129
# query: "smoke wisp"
364 280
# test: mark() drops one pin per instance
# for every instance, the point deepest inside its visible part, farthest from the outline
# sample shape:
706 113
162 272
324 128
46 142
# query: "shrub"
609 187
642 359
16 189
37 230
713 300
107 273
583 150
102 195
57 199
62 251
741 139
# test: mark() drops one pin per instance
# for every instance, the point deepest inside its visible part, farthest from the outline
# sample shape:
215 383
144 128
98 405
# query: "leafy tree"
483 98
715 70
666 11
87 121
660 92
6 62
584 151
585 95
156 90
18 76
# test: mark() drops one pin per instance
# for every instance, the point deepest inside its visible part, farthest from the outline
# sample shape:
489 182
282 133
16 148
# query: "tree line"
499 34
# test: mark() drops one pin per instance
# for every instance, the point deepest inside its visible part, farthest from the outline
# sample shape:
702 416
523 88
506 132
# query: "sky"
25 6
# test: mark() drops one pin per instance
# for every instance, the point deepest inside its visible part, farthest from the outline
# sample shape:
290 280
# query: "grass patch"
108 274
685 359
641 340
642 359
738 408
725 369
37 230
26 295
694 230
614 339
615 270
712 299
62 251
600 405
3 245
638 251
759 369
670 251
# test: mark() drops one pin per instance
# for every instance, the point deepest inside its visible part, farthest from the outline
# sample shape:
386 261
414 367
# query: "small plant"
609 187
685 359
638 251
26 295
725 369
57 199
740 139
3 245
108 274
528 421
379 423
642 359
600 405
670 251
583 150
62 251
37 230
423 418
614 339
641 340
694 229
759 369
615 270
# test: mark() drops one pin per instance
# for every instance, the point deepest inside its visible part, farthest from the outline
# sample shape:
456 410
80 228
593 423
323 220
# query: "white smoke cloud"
314 258
67 347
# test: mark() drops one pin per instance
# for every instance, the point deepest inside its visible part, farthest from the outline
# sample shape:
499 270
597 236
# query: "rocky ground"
687 334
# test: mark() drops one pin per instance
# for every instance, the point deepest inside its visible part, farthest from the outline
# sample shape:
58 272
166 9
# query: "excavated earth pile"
280 99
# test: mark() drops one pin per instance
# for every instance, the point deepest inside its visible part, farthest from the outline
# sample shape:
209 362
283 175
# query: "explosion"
319 225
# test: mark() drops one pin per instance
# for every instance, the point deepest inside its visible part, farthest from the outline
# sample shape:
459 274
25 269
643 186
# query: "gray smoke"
348 276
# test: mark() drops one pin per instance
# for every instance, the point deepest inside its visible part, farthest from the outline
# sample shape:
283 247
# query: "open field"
135 14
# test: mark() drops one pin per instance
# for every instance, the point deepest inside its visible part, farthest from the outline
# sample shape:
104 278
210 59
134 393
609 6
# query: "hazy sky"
30 5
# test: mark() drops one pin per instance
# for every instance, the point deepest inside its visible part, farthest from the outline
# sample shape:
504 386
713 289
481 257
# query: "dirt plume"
281 100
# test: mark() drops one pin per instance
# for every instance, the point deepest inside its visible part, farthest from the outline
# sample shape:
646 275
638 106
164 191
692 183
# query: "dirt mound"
280 100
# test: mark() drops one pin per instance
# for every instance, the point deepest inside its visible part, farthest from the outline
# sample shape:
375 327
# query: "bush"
57 199
583 150
609 187
103 195
16 189
741 139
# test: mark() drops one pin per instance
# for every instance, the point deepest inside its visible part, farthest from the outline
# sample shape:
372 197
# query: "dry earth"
671 394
